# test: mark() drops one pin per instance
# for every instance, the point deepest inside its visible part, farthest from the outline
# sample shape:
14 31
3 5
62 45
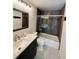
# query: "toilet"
41 43
40 49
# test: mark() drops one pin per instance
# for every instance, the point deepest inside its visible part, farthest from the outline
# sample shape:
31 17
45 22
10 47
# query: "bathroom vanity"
26 47
29 52
24 39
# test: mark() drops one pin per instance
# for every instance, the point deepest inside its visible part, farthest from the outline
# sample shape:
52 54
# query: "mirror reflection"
20 20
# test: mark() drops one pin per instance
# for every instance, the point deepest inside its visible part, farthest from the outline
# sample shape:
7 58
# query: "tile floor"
48 53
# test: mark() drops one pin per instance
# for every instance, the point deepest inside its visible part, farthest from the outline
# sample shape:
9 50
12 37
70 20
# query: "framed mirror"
20 20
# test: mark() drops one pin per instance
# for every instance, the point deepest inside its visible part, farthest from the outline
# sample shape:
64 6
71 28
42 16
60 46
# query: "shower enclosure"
49 24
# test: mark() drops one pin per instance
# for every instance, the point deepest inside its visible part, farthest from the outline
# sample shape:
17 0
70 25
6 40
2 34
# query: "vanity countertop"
19 47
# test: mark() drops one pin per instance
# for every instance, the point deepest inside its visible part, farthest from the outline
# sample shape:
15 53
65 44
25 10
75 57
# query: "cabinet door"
29 52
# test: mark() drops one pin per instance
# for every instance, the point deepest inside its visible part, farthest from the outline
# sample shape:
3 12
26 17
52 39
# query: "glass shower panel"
50 25
42 25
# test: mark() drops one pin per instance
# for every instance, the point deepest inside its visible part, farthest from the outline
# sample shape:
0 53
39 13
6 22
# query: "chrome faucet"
17 37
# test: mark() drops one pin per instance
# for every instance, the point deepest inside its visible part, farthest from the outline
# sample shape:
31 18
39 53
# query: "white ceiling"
48 4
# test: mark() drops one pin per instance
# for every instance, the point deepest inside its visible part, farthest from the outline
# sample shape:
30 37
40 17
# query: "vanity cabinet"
29 52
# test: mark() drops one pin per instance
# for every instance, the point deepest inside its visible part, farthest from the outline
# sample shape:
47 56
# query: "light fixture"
24 3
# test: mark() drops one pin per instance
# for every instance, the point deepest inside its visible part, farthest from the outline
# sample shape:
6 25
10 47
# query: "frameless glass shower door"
50 25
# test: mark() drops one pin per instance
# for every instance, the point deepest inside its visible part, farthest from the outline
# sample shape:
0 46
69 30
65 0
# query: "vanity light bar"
21 6
25 3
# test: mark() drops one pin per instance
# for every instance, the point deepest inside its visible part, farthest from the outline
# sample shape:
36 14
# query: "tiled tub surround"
24 42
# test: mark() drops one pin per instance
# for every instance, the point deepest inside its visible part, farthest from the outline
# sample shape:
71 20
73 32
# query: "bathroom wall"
32 23
63 42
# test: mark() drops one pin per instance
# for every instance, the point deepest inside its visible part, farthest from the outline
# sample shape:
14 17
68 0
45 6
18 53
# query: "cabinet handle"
19 48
